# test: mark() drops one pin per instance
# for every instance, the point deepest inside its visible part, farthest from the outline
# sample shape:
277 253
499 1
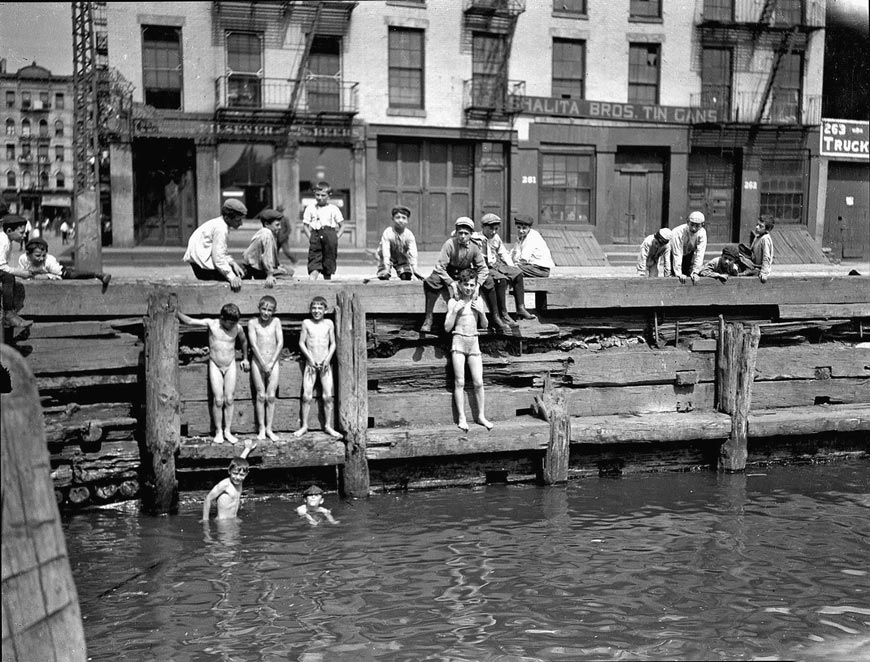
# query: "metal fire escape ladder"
303 62
785 46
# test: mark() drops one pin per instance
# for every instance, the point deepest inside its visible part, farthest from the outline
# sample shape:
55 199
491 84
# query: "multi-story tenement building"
36 159
619 117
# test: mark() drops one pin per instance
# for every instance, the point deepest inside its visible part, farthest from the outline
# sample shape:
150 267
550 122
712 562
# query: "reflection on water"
763 566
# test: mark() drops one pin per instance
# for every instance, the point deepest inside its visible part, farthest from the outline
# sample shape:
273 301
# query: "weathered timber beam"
689 426
797 392
88 431
127 297
825 361
640 366
824 310
317 449
48 383
797 421
645 399
63 356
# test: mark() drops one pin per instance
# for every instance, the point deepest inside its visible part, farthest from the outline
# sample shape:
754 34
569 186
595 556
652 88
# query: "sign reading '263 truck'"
845 139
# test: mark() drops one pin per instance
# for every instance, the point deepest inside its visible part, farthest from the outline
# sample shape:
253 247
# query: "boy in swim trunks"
228 492
312 509
462 319
317 344
267 341
222 334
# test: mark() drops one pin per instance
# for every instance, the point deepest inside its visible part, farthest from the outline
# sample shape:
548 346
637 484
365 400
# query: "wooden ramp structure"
573 247
794 245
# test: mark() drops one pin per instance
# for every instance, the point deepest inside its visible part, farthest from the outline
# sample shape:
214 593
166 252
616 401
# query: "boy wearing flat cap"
207 248
688 244
457 253
531 253
652 259
502 274
398 248
260 259
12 290
312 509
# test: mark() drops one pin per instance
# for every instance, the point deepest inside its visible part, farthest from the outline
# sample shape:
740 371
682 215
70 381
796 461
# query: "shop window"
10 152
782 188
10 99
58 129
10 179
569 7
719 10
58 153
59 101
566 188
406 68
161 66
245 69
569 68
643 73
645 9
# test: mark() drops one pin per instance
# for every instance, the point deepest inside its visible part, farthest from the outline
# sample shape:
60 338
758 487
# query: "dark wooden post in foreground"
550 406
737 371
162 402
353 405
41 616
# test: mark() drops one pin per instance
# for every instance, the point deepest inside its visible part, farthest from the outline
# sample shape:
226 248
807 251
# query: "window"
42 152
645 9
58 153
569 6
488 70
60 180
569 68
716 81
324 88
245 68
58 129
26 180
43 128
406 68
43 99
25 128
10 127
10 152
566 188
161 66
25 100
643 73
25 151
10 179
782 188
59 101
719 10
10 99
43 180
785 96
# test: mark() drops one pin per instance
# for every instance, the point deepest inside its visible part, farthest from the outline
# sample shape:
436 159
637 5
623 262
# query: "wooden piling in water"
352 387
41 616
162 403
738 354
550 406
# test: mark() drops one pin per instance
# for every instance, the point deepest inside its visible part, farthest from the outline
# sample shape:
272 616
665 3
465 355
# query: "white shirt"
534 250
50 266
207 247
326 216
5 250
393 243
652 263
684 242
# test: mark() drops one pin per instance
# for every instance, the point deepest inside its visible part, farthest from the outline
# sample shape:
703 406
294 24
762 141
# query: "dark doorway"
711 191
164 180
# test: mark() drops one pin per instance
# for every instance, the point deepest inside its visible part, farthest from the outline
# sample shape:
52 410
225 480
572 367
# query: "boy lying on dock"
317 344
222 334
267 340
40 263
312 509
228 492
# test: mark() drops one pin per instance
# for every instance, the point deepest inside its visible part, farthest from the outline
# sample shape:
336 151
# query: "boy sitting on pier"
267 341
312 507
13 291
39 262
317 344
228 492
462 319
398 248
260 259
222 334
761 246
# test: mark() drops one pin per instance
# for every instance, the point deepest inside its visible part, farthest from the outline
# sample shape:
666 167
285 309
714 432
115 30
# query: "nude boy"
222 334
228 492
317 344
267 341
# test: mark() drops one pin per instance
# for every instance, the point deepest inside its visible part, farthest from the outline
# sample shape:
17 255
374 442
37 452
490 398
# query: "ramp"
573 247
794 245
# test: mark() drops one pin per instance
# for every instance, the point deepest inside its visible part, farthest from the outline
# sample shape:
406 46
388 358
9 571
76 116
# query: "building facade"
619 118
36 162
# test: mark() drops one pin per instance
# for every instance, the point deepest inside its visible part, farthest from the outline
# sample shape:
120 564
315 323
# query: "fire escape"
489 96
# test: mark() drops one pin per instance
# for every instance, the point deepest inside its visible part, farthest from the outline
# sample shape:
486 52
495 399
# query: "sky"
40 31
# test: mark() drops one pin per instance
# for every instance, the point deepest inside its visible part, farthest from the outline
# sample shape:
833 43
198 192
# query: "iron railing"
317 94
491 93
785 13
783 106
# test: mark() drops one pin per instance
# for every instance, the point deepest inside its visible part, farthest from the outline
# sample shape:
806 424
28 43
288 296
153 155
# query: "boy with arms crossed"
222 334
267 341
312 507
228 492
317 344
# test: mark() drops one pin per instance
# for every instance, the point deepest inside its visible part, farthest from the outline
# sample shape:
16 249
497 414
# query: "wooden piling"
162 403
550 406
41 616
738 353
352 387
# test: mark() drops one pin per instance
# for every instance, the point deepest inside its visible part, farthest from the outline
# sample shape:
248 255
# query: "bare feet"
218 438
301 431
331 432
426 327
230 437
463 425
272 435
261 434
485 422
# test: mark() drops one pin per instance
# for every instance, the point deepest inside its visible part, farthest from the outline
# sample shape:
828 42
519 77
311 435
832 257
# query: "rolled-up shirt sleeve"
412 252
443 260
219 254
700 249
386 253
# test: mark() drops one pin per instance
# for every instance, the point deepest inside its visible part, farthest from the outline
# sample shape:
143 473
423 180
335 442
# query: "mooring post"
719 379
739 351
550 406
162 403
353 409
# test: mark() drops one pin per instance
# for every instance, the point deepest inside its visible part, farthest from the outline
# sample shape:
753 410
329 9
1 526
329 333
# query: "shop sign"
608 110
845 139
173 127
54 200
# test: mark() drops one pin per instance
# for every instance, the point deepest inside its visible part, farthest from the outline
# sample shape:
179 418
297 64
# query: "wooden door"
165 190
711 191
847 211
638 198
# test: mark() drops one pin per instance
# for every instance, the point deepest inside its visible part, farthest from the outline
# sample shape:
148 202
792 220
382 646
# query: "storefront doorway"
164 183
639 195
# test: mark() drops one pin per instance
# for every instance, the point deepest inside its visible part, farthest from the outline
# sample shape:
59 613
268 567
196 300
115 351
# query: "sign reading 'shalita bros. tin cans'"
845 139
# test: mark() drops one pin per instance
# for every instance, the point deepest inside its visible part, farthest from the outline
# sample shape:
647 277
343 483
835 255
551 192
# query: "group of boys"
680 253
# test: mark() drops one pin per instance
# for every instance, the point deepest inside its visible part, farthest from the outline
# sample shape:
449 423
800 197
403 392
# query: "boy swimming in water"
228 492
312 509
222 334
267 341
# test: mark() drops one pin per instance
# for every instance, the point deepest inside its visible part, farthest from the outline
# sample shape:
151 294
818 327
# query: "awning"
55 201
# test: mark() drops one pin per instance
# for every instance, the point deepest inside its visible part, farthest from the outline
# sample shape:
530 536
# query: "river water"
771 565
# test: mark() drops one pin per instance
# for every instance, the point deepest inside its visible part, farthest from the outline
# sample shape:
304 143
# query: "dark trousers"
12 291
206 274
323 251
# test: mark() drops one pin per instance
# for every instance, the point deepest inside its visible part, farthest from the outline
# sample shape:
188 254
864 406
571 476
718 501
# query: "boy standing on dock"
228 492
321 223
317 344
267 341
462 319
222 334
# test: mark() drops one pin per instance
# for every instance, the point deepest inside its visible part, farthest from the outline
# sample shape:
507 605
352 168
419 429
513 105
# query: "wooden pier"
617 375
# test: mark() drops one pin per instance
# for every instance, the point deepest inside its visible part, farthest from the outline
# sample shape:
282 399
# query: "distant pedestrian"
64 233
207 248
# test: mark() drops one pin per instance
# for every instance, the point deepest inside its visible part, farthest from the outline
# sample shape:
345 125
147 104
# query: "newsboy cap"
696 217
400 209
311 491
490 219
13 220
269 215
524 219
464 221
235 206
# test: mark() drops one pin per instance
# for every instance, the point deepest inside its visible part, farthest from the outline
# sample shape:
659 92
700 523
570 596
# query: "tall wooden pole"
162 402
350 321
550 406
738 353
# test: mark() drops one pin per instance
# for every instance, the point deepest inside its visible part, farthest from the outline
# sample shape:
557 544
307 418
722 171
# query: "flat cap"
11 220
235 206
466 222
400 209
311 491
524 219
490 219
36 242
664 234
269 215
696 217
